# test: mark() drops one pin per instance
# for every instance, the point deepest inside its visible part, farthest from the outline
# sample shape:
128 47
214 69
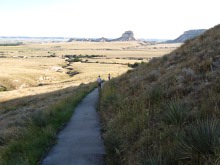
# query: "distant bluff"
126 36
187 35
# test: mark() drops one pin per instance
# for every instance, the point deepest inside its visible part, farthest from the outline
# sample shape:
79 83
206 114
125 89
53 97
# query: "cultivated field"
35 68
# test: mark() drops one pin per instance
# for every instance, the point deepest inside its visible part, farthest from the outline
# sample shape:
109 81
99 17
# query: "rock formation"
187 35
127 36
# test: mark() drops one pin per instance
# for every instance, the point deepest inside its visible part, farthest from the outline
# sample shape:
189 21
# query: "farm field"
35 68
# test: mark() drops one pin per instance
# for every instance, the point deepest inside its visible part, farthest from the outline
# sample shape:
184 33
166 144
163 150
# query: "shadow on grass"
28 129
17 103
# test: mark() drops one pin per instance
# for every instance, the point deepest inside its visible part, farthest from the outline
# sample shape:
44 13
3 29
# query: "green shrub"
74 59
200 142
136 64
175 113
156 160
2 88
156 93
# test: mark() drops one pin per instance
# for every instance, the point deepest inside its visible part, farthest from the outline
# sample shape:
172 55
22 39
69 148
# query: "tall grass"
39 130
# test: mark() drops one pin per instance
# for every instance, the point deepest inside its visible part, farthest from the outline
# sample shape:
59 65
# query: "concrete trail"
80 142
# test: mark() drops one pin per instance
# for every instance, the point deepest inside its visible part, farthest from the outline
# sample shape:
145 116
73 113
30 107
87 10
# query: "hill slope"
166 111
187 35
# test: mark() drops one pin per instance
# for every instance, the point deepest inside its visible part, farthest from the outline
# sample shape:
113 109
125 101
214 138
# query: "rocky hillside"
187 35
166 111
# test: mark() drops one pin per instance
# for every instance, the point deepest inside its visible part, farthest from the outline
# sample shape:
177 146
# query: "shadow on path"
80 142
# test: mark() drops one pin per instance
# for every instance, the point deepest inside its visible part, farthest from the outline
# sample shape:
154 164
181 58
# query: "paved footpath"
80 142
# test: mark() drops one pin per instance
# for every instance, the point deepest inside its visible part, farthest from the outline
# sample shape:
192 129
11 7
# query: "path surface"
80 142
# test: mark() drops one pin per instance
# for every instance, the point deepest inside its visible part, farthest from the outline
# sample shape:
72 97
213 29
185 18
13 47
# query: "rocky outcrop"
71 40
187 35
127 36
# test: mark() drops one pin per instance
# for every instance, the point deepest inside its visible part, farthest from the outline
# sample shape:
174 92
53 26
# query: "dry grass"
91 72
17 73
110 49
27 66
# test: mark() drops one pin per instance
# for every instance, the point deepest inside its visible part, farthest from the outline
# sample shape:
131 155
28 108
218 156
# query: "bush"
72 73
2 88
136 64
175 113
74 59
53 55
200 142
156 93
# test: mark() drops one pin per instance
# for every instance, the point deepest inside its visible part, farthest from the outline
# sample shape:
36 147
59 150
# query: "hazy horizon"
156 19
57 37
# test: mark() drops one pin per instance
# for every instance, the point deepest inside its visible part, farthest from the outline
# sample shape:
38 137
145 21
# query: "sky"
149 19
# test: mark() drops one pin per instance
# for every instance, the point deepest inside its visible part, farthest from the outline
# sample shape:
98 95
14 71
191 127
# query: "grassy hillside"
166 111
